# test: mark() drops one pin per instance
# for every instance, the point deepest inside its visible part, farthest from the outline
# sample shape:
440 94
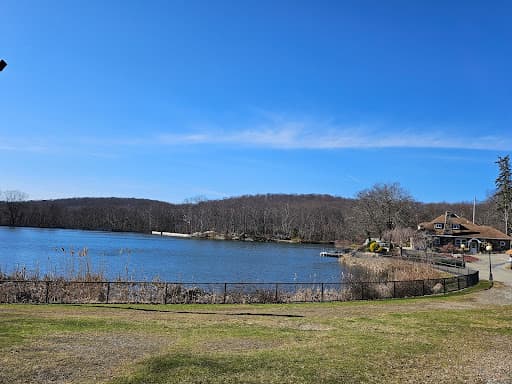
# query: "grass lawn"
461 338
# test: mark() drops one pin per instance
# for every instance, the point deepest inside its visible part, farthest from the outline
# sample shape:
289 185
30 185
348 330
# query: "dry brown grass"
383 278
370 268
77 358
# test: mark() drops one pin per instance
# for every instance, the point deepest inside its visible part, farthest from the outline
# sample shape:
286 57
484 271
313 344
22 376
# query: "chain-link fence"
117 292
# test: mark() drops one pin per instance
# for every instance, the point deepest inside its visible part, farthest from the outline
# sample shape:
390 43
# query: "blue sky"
173 99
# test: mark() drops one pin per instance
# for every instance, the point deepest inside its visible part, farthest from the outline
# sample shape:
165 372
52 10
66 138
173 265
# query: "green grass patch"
17 329
264 367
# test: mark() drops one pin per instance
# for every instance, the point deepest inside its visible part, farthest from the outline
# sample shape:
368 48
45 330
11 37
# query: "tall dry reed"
379 269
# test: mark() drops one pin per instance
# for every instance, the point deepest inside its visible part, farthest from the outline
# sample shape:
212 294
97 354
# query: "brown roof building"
452 229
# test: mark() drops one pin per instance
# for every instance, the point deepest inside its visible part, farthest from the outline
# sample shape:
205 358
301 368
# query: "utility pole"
474 209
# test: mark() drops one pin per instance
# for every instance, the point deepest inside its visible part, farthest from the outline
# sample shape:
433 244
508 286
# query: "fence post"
444 284
165 294
458 283
362 291
225 293
47 296
276 291
108 291
322 297
423 288
394 289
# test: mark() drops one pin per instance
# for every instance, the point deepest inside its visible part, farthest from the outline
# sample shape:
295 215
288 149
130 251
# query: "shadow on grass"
191 312
263 368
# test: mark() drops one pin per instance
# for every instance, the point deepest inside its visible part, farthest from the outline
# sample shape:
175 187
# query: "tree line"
308 218
380 211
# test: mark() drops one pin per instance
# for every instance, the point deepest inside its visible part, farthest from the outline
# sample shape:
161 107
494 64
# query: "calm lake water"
144 257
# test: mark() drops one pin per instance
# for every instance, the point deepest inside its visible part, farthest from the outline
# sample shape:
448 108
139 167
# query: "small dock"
335 252
171 234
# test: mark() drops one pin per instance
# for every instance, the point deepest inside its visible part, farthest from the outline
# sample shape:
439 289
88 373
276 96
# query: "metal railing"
127 292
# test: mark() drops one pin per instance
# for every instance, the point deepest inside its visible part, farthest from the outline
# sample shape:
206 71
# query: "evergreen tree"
503 193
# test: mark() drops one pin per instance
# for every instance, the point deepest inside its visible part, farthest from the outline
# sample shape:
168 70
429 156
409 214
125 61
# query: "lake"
144 257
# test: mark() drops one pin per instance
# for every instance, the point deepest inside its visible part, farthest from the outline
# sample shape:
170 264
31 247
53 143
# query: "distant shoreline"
212 235
207 235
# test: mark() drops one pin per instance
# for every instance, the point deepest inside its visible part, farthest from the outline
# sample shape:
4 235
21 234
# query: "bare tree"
401 236
384 207
13 200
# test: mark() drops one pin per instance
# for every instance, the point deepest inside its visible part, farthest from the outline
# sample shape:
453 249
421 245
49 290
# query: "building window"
437 241
455 226
438 226
459 242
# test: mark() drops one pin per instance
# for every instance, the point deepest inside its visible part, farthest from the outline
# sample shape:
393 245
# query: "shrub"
448 248
374 247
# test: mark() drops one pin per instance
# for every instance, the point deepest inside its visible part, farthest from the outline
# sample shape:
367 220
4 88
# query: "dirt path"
499 294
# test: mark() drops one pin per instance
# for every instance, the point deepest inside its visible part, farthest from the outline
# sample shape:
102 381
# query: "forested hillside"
311 218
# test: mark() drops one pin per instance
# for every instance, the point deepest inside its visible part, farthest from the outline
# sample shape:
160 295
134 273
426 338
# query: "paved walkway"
500 263
501 293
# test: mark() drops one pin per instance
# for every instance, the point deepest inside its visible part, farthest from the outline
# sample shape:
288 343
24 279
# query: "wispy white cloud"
299 135
13 144
275 132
